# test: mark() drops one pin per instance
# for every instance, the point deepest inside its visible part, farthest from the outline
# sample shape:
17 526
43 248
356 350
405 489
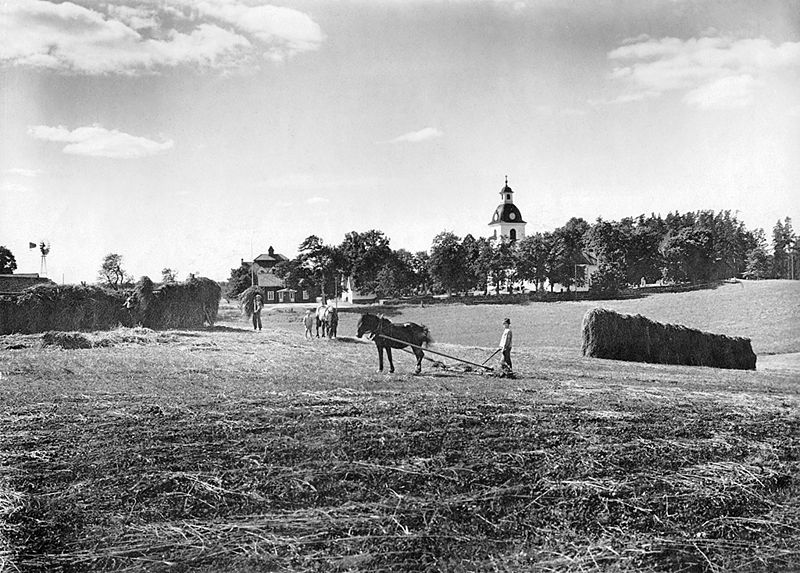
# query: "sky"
192 134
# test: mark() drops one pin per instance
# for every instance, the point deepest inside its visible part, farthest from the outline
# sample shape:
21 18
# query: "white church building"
507 223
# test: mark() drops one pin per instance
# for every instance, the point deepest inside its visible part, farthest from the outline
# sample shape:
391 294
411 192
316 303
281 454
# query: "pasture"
229 450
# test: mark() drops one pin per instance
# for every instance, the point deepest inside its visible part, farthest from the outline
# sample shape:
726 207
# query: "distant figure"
642 283
308 322
258 304
505 345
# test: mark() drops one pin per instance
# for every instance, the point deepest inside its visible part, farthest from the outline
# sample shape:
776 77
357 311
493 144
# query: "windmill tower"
44 249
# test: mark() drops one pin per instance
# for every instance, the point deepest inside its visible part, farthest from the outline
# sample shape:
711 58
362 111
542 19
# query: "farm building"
274 288
19 282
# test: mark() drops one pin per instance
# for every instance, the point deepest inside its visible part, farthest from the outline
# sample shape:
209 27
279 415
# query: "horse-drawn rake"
388 335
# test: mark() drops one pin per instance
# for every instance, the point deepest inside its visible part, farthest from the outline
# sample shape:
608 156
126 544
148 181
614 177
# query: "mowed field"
230 450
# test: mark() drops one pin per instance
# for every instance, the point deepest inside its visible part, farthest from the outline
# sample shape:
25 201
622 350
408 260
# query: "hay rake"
476 365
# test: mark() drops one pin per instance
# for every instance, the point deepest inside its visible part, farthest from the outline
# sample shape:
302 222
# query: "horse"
331 321
320 319
408 333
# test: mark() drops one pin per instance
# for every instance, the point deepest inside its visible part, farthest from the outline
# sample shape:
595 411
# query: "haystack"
64 308
190 304
635 338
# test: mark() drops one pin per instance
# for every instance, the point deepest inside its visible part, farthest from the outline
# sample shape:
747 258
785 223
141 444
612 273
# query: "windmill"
44 249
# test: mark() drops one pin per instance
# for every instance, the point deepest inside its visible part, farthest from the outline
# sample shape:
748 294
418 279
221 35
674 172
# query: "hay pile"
635 338
246 299
62 307
190 304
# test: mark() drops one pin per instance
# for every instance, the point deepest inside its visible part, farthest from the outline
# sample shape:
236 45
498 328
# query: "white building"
507 220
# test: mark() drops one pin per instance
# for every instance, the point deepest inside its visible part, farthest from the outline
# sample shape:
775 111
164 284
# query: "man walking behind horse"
505 345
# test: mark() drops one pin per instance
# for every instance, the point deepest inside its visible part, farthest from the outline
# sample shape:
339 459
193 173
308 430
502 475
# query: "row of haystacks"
75 308
635 338
190 304
62 307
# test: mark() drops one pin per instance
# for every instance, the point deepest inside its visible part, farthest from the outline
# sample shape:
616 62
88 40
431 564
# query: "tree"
321 261
759 261
501 265
688 255
447 264
240 280
784 244
608 280
169 275
8 263
111 271
363 255
419 266
531 256
571 240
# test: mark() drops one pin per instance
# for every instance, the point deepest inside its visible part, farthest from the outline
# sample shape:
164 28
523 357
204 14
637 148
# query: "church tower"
507 219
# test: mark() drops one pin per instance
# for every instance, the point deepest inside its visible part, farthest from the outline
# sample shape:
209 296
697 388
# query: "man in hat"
258 305
505 345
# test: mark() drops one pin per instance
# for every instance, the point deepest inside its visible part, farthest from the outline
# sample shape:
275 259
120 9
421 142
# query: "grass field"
229 450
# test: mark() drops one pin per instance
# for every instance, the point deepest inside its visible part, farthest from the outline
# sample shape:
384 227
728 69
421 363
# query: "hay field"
229 450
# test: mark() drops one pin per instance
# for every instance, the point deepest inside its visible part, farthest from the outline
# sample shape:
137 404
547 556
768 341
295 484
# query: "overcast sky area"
193 133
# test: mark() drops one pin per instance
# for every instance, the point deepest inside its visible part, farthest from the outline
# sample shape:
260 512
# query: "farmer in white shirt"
505 345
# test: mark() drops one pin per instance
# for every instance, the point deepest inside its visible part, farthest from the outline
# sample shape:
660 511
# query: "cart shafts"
435 352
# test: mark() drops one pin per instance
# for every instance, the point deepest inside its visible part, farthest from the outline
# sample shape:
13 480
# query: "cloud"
21 172
724 93
96 141
713 72
144 36
417 136
284 31
317 200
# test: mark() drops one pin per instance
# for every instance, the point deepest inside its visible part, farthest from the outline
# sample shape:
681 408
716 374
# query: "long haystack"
190 304
63 308
635 338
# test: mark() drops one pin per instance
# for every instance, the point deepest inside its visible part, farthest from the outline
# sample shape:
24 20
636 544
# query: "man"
258 304
505 345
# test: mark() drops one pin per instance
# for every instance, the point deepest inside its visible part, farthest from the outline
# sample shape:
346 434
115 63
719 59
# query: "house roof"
270 257
269 280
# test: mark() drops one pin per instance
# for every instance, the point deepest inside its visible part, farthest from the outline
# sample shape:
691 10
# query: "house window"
291 296
512 234
305 295
270 295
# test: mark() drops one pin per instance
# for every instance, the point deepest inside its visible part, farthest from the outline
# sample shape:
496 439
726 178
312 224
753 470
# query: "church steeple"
507 216
507 193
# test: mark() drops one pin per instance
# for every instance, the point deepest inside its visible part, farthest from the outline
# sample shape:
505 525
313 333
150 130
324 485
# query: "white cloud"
724 93
96 141
714 72
143 36
21 172
417 136
317 200
284 31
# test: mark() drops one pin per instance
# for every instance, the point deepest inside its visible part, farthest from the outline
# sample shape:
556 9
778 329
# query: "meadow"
226 449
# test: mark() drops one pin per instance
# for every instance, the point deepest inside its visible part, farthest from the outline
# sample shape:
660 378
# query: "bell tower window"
512 234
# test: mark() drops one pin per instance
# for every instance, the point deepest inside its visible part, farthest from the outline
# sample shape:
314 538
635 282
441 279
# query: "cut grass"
239 451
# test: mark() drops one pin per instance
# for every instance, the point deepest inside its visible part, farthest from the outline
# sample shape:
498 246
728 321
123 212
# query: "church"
506 218
507 223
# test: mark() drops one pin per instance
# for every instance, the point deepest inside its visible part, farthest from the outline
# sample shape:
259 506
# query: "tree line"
694 247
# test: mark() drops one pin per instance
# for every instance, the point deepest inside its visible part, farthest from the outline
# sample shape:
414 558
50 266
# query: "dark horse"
409 333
